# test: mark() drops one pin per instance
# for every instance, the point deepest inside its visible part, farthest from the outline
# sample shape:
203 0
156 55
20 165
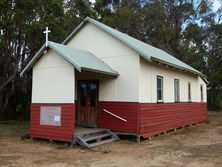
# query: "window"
177 90
189 91
93 93
159 89
83 89
201 92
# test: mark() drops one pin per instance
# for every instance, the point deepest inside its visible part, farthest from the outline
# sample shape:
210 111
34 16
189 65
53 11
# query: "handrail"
116 116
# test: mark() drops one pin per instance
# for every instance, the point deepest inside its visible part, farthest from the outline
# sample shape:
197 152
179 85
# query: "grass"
16 129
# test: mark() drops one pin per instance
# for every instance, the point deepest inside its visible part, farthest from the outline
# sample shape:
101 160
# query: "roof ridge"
80 63
121 39
143 49
88 18
87 51
70 47
146 55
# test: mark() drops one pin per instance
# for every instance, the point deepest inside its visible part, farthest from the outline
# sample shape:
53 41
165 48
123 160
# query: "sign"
50 115
57 118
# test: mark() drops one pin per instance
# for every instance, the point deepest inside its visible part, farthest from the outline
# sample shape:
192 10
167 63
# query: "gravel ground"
196 146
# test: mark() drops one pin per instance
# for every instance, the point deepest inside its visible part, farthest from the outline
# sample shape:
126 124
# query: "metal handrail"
116 116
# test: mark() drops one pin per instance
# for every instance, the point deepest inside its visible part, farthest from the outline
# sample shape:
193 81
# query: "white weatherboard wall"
53 80
148 83
118 56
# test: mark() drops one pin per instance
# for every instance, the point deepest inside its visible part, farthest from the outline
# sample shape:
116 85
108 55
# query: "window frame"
161 78
175 95
189 92
201 93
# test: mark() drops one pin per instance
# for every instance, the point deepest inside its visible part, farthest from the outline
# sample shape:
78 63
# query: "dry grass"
15 129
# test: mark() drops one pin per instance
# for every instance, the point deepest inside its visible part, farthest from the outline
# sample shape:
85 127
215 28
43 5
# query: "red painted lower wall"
142 119
128 111
60 133
157 118
150 119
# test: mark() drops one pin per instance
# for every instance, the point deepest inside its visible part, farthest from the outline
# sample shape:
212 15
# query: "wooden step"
101 142
88 135
93 139
97 137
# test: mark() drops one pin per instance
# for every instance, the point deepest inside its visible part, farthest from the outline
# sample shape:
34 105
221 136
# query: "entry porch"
88 131
92 109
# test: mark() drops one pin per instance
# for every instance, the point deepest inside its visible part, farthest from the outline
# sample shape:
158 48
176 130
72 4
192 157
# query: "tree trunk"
1 106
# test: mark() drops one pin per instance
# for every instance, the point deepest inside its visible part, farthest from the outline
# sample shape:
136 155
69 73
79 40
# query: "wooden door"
87 103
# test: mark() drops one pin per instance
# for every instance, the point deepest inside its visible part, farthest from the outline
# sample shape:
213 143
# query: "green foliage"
187 29
214 67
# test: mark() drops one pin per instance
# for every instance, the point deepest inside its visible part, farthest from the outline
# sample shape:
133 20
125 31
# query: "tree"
75 12
187 29
214 68
22 23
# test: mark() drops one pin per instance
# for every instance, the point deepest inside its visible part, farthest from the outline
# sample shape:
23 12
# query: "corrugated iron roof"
145 50
80 59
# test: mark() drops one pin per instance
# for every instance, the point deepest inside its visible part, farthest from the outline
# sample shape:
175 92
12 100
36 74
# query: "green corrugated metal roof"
145 50
80 59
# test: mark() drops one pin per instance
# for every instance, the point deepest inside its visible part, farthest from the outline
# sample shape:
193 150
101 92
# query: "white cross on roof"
46 32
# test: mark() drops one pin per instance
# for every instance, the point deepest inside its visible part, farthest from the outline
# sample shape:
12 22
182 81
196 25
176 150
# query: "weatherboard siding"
128 111
60 133
53 80
146 119
148 82
118 56
158 118
131 95
99 42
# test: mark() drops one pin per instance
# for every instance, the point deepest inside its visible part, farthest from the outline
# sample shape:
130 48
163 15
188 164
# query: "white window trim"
189 91
161 78
176 100
201 93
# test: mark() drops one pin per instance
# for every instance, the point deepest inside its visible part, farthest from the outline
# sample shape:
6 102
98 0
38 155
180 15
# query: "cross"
46 32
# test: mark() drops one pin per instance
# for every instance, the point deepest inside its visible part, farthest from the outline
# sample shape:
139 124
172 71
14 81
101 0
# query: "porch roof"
80 59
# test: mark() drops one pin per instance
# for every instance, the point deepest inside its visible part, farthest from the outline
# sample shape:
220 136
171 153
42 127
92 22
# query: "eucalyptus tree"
21 25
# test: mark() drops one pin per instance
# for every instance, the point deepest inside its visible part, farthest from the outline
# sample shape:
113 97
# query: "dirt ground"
196 146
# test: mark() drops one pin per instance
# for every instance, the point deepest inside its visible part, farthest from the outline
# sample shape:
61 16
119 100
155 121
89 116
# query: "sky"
217 4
